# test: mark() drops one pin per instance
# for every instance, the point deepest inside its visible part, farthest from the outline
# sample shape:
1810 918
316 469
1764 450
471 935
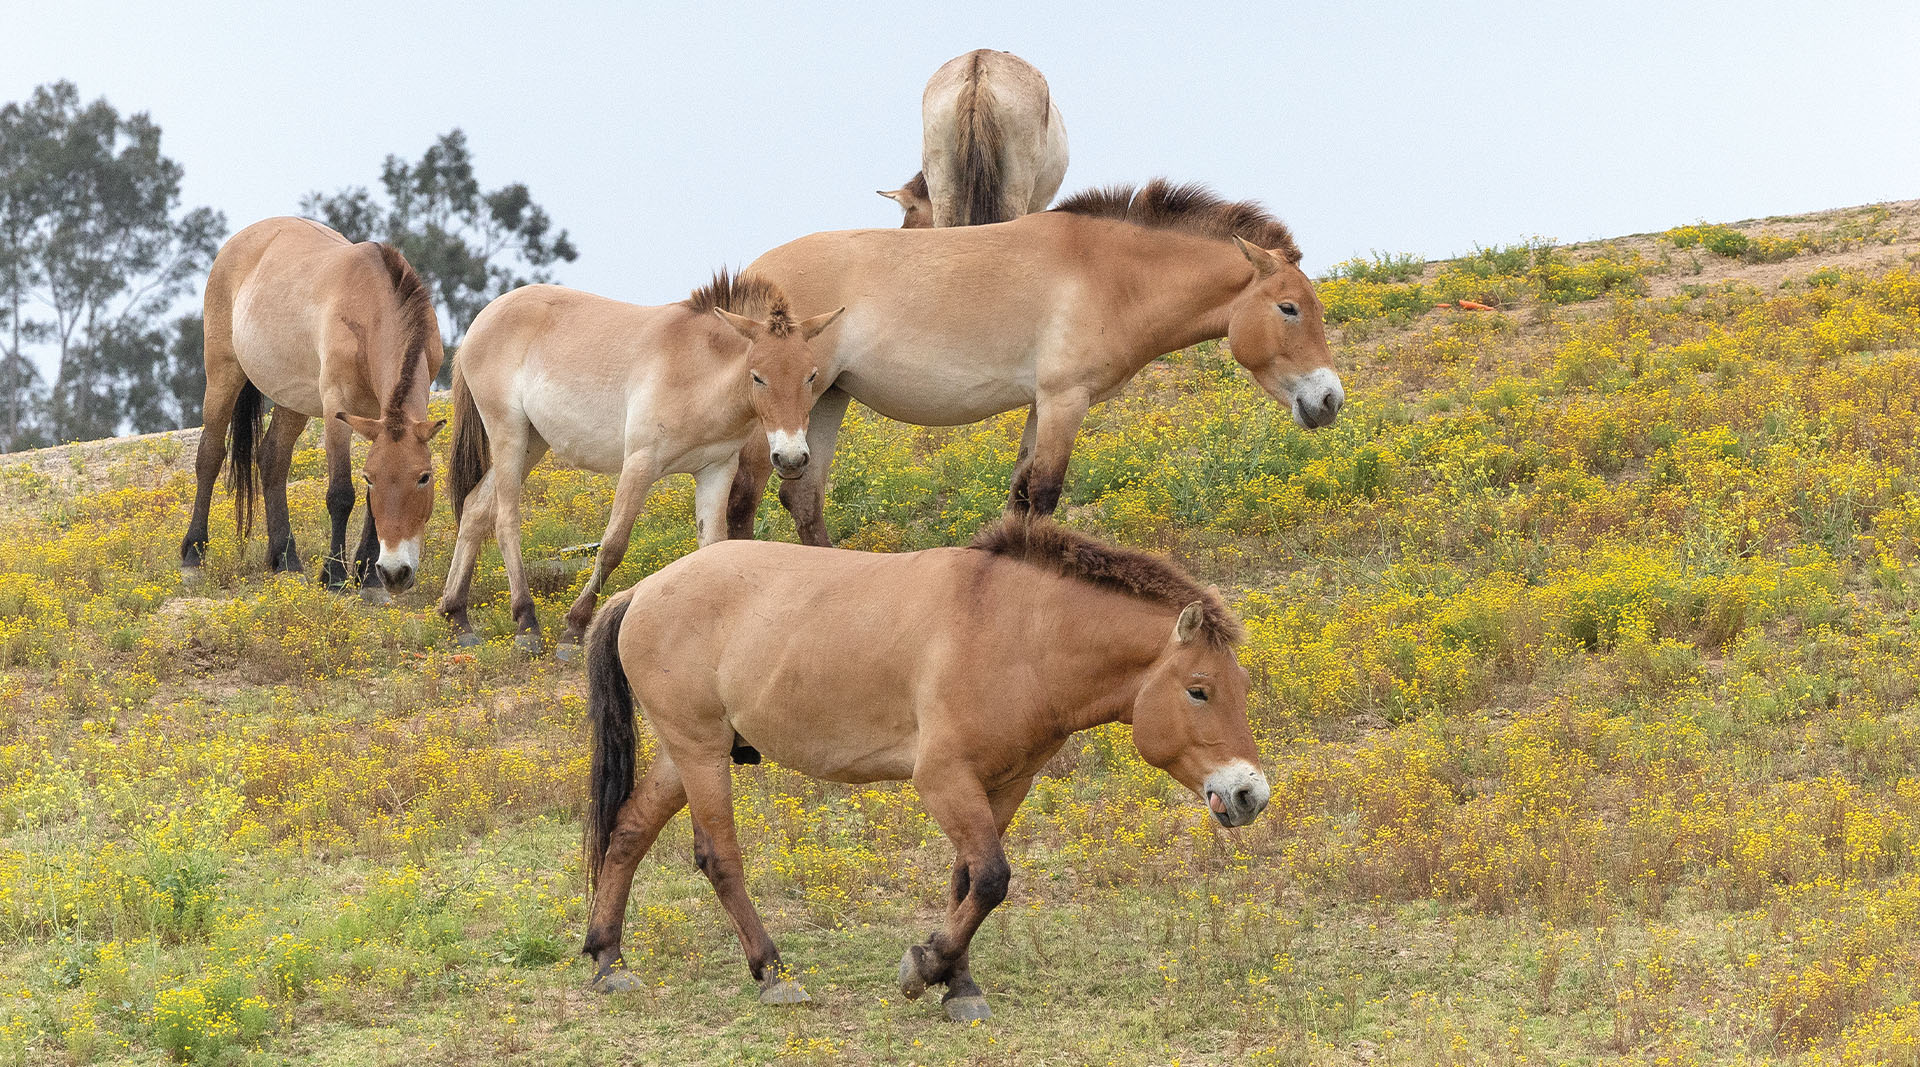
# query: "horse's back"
821 658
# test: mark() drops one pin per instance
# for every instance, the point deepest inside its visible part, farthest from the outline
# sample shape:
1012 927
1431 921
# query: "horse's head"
915 206
783 381
1190 720
1277 331
399 477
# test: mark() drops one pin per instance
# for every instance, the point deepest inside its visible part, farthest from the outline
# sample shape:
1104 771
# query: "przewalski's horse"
322 327
639 392
993 145
1054 312
961 669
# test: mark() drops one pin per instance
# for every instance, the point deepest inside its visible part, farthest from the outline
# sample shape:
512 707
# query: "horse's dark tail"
471 455
981 180
610 713
243 440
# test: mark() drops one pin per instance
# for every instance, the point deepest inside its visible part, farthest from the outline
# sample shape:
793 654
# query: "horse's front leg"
1048 443
365 574
755 464
974 820
709 786
637 475
805 497
712 487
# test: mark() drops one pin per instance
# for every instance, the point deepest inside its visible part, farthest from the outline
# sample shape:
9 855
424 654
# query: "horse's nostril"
397 575
1243 797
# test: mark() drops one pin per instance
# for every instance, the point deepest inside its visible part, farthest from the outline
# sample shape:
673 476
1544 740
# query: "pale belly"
951 391
584 423
285 368
838 748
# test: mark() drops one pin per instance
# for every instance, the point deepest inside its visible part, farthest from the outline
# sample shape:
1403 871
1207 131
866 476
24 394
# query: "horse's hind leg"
710 798
974 820
225 380
655 799
476 518
276 458
749 485
514 452
637 475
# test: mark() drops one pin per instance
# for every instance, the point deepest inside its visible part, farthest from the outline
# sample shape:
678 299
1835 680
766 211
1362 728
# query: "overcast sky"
673 141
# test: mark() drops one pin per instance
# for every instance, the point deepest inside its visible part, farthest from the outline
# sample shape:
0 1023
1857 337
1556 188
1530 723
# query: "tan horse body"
298 315
638 392
993 145
961 669
1053 312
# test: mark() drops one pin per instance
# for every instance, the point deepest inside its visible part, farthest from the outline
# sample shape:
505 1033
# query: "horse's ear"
742 325
810 328
898 196
1188 624
1263 261
425 430
365 427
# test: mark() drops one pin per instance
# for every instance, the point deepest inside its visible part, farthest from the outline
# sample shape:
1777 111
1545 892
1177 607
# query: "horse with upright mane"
638 392
962 669
1054 312
993 145
298 315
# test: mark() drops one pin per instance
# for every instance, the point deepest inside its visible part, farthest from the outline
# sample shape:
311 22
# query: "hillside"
1582 649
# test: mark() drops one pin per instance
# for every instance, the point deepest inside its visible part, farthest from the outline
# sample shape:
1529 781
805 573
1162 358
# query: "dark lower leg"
656 797
276 458
206 470
364 573
717 852
749 485
805 499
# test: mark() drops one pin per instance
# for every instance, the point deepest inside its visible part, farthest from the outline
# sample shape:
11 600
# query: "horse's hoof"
527 641
376 595
784 991
911 984
466 640
565 651
616 981
968 1009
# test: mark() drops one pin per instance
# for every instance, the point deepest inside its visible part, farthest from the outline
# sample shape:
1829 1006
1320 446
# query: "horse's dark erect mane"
1045 543
1191 208
416 313
744 294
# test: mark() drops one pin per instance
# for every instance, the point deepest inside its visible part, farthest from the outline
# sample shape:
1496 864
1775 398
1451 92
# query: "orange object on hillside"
1474 305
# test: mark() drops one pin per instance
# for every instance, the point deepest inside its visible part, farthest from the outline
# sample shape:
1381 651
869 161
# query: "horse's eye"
367 478
1197 695
425 478
811 375
1289 309
757 380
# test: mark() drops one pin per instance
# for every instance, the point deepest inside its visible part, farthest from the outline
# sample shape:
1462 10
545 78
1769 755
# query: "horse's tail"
979 194
610 713
471 454
243 440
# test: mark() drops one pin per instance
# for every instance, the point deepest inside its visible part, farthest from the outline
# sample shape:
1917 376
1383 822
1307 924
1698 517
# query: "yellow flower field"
1584 657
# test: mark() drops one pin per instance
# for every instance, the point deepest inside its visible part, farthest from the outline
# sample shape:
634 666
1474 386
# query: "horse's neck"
1172 290
1100 656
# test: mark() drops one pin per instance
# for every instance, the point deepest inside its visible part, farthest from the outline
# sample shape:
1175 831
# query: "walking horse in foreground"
993 145
298 315
962 669
638 392
1053 312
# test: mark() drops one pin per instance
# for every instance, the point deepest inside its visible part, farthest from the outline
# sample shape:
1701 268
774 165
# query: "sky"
673 139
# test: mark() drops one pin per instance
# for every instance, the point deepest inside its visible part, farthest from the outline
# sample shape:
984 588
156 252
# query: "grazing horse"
638 392
1054 312
963 669
993 145
298 315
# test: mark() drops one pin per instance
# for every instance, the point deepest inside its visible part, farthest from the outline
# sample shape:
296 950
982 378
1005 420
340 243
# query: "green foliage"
469 244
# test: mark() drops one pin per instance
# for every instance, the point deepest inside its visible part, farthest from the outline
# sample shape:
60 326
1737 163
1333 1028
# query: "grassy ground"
1583 651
